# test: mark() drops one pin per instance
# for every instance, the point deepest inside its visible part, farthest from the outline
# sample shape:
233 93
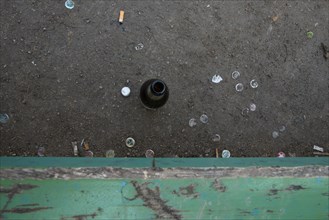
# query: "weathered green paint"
243 198
176 198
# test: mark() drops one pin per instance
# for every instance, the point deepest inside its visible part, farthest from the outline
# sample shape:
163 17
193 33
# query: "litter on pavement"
121 16
318 148
216 79
226 154
69 4
130 142
281 155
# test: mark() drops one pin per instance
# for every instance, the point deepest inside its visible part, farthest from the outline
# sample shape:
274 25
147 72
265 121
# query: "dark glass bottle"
154 93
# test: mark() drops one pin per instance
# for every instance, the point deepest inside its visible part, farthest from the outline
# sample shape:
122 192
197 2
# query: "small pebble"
216 78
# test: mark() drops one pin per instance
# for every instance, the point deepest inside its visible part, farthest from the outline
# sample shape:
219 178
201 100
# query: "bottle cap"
125 91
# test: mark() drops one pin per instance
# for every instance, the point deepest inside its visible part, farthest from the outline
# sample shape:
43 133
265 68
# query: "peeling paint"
175 193
189 191
295 188
244 212
32 204
24 210
273 192
218 186
325 194
152 200
11 192
84 216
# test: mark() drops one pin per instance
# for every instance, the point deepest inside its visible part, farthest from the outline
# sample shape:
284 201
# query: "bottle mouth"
158 87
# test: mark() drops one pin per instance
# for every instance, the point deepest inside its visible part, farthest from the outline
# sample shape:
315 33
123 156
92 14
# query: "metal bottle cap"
125 91
130 142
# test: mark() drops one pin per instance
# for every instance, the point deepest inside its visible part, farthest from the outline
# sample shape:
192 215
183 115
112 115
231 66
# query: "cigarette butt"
121 16
86 146
75 148
216 152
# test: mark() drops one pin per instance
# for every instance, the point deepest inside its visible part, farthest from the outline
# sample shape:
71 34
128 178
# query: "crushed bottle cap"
235 75
192 122
125 91
245 111
275 134
88 153
139 46
216 138
149 153
282 128
130 142
281 155
41 151
216 78
204 118
110 153
252 107
4 118
226 154
253 84
239 87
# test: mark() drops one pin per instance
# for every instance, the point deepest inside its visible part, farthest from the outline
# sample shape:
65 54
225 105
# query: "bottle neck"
156 90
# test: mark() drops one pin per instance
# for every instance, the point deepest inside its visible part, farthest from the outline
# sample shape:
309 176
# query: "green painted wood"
34 162
239 198
284 197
